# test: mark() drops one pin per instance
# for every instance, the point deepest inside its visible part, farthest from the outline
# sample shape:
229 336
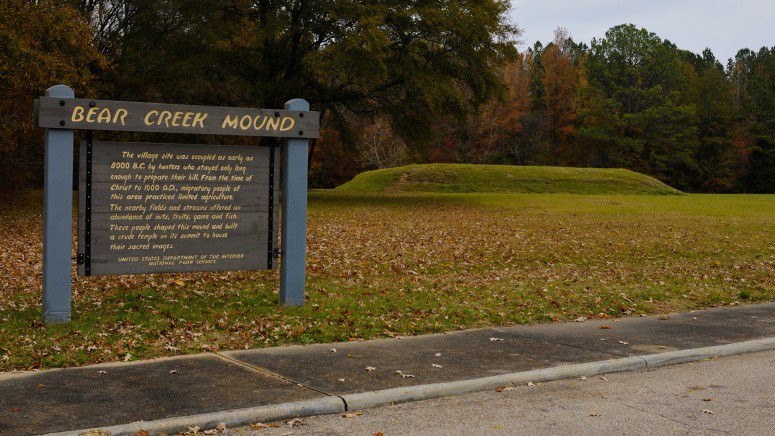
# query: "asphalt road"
729 395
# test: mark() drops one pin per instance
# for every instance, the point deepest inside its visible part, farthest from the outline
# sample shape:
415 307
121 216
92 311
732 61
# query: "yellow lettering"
242 122
90 114
77 115
255 120
199 118
273 124
187 119
120 113
287 124
104 116
230 121
147 119
176 118
164 117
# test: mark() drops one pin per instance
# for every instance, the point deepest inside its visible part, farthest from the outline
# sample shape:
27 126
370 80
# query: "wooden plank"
176 208
85 114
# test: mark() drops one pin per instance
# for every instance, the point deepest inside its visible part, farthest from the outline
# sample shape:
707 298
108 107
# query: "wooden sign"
159 208
152 208
73 113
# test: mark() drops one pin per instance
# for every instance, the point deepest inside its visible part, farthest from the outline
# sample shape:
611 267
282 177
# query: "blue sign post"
294 221
57 217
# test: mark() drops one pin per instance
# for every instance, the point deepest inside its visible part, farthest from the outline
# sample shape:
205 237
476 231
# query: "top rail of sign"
87 114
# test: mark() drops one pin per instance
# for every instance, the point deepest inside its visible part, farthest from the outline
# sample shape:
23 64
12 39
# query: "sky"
724 26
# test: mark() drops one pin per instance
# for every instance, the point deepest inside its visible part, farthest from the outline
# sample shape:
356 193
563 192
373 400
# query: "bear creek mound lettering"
173 118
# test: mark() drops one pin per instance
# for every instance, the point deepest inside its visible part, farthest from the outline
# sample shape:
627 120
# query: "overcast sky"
725 26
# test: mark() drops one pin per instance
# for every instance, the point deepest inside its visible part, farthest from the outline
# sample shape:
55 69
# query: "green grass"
386 264
462 178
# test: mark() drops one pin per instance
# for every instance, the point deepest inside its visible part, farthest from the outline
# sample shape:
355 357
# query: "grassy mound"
506 179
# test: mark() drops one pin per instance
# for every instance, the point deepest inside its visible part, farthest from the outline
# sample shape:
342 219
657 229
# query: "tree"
648 117
559 82
378 146
490 134
412 61
710 93
42 43
752 75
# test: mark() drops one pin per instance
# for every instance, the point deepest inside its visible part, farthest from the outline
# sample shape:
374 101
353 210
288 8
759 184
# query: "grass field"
457 178
387 264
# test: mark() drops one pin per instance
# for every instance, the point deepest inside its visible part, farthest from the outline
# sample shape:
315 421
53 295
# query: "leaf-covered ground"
400 264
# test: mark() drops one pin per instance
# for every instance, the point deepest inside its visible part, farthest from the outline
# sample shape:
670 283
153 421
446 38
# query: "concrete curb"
232 418
367 400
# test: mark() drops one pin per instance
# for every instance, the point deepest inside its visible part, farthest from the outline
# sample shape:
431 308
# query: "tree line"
399 81
636 101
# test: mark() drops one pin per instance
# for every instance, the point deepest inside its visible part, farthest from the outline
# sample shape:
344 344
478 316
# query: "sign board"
158 208
133 116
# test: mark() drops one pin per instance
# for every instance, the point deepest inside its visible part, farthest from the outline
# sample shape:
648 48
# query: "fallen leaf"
437 354
504 388
221 427
333 350
496 339
582 378
370 368
594 414
143 433
379 433
707 399
293 422
128 357
664 317
179 282
404 375
581 319
604 326
195 429
341 379
102 372
624 343
708 412
41 386
351 415
258 426
604 378
530 383
436 365
173 371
